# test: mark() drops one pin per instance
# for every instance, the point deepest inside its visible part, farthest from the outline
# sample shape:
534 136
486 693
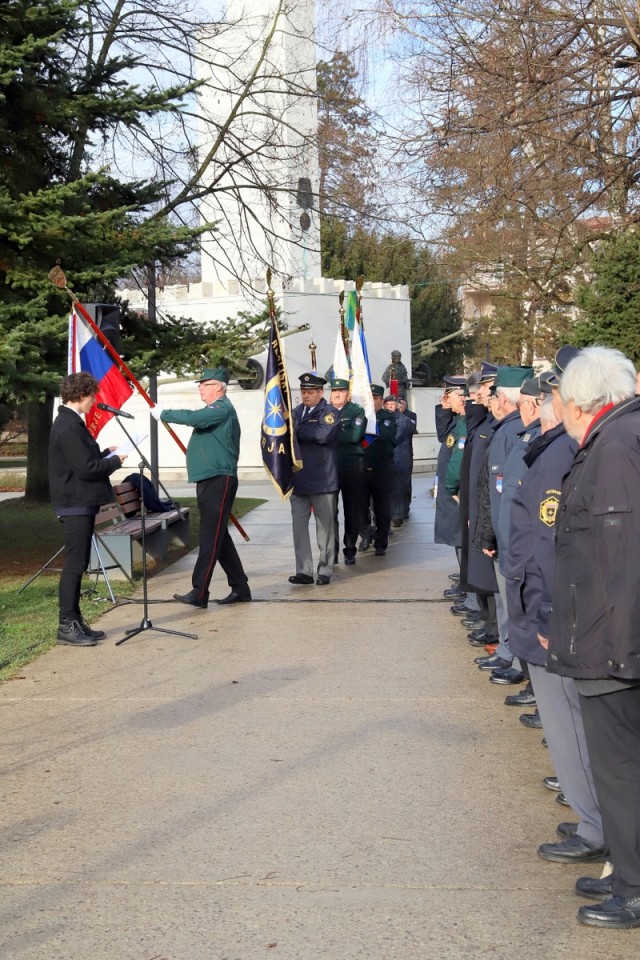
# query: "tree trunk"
40 418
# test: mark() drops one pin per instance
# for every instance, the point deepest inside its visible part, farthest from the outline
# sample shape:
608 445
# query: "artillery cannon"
250 374
421 375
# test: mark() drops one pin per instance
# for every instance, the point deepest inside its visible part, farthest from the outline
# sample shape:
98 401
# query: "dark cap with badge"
487 371
221 374
563 357
312 381
512 376
339 384
377 390
536 386
454 383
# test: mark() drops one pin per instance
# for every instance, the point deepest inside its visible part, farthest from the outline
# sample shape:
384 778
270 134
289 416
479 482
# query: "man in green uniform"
212 464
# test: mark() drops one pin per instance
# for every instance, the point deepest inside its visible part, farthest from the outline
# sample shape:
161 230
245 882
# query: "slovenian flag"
87 355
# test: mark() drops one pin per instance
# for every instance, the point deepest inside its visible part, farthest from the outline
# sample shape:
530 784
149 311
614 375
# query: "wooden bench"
119 525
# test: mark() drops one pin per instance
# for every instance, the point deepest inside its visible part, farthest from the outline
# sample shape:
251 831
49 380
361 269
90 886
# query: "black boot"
70 632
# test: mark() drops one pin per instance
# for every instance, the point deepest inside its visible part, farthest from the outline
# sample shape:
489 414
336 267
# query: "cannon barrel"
426 348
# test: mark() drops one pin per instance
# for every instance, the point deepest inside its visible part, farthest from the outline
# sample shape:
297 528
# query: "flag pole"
58 278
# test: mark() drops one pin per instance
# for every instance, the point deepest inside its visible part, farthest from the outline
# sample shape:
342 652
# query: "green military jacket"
353 425
214 447
459 439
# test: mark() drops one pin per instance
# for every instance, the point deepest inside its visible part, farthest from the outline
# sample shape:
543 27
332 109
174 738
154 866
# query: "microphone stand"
146 624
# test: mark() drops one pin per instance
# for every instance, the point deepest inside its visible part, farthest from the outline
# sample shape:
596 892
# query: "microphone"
119 413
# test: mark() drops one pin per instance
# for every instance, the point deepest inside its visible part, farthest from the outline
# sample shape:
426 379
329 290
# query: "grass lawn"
29 536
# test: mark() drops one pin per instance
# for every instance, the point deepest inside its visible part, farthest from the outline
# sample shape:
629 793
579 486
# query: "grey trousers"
502 650
559 705
324 509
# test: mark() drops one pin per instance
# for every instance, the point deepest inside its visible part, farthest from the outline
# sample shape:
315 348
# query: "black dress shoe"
594 888
492 662
398 522
506 675
524 698
454 577
380 551
322 581
531 720
573 850
453 593
349 561
192 599
552 783
566 830
459 610
301 578
482 640
236 596
562 800
473 622
365 543
618 913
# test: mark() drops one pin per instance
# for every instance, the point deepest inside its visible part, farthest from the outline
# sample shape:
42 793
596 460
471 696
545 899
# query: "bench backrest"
127 498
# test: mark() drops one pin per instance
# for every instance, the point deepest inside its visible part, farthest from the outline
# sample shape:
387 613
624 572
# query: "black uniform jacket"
78 474
475 415
595 623
447 522
530 558
379 453
481 573
317 436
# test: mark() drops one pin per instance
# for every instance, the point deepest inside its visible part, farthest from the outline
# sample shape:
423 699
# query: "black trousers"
612 731
215 500
377 485
350 480
77 532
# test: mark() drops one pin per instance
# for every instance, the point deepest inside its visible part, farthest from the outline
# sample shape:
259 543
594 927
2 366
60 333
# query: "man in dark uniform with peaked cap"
315 487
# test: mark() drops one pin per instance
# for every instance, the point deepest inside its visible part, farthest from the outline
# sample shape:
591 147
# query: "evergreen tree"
610 304
53 104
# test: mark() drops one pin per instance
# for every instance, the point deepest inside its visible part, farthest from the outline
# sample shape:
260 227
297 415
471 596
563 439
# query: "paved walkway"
322 773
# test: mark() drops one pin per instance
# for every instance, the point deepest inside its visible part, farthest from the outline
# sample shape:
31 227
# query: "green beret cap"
512 376
221 374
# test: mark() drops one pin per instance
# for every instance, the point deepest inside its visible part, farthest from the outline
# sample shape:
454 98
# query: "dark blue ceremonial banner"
279 450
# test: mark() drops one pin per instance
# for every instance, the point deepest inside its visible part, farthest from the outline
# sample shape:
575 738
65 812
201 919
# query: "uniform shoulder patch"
450 440
329 418
548 510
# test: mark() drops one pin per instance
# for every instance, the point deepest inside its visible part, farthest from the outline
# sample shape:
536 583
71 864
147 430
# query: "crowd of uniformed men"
538 490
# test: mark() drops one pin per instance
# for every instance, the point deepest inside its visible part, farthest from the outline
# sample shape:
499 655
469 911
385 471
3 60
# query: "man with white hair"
594 630
212 464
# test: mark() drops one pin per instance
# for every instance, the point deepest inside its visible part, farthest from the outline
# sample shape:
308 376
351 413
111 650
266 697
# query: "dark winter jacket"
78 470
530 558
317 436
595 624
